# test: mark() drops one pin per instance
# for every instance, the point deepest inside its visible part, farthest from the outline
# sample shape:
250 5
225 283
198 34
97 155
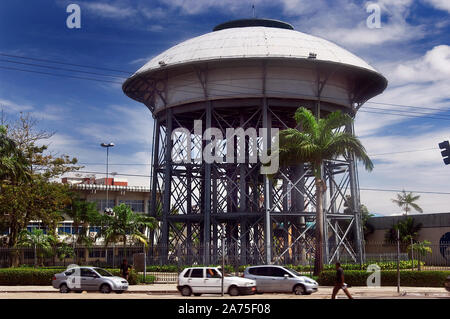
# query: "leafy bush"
388 278
148 279
26 276
404 264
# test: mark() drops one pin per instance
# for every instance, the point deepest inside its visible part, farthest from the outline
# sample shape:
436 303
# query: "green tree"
41 243
125 223
83 214
406 201
33 195
368 228
64 251
314 141
407 228
421 249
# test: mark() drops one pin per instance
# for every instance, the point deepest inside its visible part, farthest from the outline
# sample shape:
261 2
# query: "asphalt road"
96 295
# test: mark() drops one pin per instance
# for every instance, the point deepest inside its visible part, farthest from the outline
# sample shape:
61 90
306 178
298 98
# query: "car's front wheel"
233 291
64 289
186 291
119 292
299 290
105 289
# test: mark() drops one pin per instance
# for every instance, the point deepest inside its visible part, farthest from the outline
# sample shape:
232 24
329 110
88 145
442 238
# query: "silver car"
80 279
272 278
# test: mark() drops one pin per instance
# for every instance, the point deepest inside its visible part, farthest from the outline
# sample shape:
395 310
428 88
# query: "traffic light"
445 146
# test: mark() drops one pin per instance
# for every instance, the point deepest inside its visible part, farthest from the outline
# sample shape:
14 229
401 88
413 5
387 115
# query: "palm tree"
64 251
41 243
316 141
407 200
83 214
126 223
408 230
13 163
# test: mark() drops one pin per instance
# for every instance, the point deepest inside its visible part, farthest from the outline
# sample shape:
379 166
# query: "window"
186 275
261 271
212 273
65 228
197 273
254 271
102 204
135 205
94 229
96 253
278 272
103 272
70 272
87 273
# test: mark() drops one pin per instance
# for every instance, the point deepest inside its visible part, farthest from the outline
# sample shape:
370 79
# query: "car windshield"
293 271
103 272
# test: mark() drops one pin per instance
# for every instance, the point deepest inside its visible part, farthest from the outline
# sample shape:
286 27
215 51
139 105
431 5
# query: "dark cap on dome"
242 23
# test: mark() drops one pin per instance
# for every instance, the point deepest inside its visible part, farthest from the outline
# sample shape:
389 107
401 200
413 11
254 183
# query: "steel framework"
262 220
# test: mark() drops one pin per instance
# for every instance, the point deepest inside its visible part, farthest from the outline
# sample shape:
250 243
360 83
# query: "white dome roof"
253 42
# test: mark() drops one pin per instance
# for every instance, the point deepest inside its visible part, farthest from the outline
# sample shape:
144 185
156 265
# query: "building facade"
435 229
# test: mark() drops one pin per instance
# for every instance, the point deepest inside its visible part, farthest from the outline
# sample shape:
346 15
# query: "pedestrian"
125 269
340 283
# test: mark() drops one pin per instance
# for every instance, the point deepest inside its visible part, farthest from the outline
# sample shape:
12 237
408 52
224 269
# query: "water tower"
251 73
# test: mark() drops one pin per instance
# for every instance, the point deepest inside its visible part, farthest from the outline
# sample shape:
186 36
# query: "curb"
156 292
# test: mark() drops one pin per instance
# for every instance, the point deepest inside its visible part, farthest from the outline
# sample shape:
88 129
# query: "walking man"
125 269
340 284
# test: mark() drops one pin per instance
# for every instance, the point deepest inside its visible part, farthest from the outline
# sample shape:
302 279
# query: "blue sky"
411 49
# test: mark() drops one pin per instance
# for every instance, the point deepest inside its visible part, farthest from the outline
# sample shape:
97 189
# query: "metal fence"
111 257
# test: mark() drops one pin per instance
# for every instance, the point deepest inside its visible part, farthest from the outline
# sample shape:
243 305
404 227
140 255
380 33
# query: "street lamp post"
107 146
107 209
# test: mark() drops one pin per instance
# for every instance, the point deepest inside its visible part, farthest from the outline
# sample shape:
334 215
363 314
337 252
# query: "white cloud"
108 10
433 66
440 4
192 7
11 107
344 22
421 171
44 113
122 124
421 82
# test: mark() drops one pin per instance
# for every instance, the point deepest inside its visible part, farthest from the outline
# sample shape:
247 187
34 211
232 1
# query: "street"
167 291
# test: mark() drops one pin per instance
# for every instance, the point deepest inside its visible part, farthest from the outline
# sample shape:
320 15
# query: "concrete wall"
92 195
434 228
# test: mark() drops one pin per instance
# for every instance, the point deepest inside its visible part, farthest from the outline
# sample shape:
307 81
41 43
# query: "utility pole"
223 258
398 260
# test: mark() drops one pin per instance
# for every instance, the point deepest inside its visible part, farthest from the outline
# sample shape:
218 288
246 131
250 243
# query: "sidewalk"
323 290
155 288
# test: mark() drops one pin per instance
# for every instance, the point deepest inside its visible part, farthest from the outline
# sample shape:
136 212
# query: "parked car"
447 283
272 278
80 279
208 280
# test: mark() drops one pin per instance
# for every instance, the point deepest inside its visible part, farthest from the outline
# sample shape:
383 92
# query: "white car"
208 280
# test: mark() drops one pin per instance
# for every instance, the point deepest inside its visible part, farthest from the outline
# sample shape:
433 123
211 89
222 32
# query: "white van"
208 280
